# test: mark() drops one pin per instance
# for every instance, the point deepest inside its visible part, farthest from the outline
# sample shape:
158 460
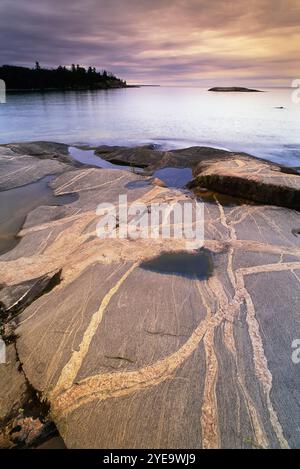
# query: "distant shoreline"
12 90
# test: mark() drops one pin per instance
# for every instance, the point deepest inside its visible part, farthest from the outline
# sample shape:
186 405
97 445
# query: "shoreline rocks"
252 179
113 345
230 173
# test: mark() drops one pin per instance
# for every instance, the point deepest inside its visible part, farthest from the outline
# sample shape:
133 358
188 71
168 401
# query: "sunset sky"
184 42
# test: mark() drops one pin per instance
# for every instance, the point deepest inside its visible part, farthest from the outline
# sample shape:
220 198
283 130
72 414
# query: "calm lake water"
171 117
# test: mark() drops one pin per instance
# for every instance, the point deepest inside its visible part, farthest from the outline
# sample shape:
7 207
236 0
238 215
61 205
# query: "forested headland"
75 77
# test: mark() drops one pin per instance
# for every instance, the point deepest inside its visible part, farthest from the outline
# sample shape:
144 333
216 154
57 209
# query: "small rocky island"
109 346
237 89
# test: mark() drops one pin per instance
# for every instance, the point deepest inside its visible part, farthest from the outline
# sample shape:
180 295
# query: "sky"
167 42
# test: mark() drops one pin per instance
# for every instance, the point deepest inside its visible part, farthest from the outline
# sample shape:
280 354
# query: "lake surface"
171 117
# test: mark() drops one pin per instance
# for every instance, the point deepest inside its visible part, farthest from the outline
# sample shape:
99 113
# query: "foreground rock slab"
129 356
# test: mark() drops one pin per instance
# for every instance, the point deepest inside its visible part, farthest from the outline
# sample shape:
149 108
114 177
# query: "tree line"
75 77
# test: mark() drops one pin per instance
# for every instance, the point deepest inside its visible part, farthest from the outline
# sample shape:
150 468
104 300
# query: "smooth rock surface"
236 174
251 178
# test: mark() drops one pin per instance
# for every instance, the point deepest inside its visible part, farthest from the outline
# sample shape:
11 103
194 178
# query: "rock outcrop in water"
237 89
236 174
130 356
